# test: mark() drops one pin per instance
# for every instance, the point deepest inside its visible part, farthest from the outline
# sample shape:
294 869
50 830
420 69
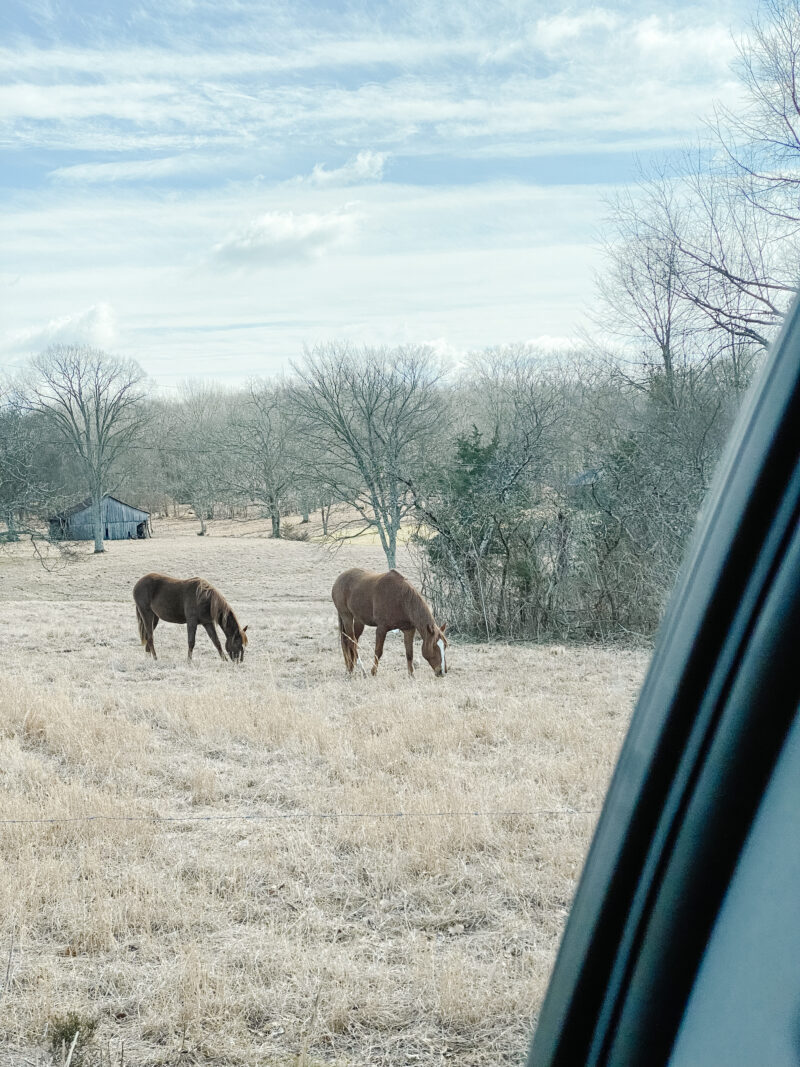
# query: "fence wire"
297 815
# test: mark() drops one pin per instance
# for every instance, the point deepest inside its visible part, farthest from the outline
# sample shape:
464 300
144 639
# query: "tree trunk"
12 534
275 516
97 520
390 548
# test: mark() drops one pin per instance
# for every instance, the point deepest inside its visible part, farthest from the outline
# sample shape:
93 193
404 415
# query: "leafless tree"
260 433
732 264
642 298
94 403
762 139
373 416
724 221
198 456
24 487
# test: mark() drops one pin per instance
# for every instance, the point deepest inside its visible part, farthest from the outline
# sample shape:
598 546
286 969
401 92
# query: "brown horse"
387 602
191 601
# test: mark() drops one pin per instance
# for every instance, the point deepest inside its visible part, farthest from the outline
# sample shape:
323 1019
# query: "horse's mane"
418 611
218 606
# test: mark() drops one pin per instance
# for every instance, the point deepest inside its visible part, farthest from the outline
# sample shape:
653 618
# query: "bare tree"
23 486
261 435
373 415
94 403
727 215
198 457
642 296
762 139
732 261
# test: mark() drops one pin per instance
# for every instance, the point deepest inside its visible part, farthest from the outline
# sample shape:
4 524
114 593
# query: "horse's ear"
443 627
244 629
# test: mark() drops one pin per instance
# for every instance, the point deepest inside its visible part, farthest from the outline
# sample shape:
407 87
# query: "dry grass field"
245 891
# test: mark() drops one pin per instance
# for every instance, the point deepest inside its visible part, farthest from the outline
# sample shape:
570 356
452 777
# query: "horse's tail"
349 647
142 626
343 639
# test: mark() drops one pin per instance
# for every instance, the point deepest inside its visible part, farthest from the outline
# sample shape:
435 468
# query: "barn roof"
84 505
587 477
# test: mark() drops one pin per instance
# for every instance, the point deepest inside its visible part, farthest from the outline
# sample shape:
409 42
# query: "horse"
388 602
191 601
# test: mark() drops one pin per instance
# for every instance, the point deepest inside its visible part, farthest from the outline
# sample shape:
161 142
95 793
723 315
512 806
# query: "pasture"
286 914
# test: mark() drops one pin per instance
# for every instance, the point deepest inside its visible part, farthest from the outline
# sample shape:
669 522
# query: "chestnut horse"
191 601
388 602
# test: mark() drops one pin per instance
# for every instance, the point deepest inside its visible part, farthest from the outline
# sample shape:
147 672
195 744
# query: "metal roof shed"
121 522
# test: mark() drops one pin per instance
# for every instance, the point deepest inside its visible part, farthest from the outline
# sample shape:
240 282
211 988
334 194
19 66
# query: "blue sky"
208 187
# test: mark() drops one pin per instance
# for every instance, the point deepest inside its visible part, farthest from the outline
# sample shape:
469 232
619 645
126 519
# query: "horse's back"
368 595
165 596
154 581
145 586
344 585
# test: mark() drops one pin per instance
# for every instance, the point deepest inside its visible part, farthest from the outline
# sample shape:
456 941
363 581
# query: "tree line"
545 493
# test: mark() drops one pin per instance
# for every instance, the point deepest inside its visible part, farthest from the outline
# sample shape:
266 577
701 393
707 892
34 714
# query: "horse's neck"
220 611
418 611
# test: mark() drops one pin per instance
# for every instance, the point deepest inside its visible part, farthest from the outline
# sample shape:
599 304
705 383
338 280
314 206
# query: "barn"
121 522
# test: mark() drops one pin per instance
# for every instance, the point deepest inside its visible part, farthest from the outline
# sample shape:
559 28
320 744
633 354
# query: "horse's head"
235 642
433 645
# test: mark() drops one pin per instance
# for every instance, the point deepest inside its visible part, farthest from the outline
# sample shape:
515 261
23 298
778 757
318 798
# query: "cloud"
562 30
332 52
128 101
112 120
366 167
283 236
96 326
602 41
445 351
413 89
555 343
137 170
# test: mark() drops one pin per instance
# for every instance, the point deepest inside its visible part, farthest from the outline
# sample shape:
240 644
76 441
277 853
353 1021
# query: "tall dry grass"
307 935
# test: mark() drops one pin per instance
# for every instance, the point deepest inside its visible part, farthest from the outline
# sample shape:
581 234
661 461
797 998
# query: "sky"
211 187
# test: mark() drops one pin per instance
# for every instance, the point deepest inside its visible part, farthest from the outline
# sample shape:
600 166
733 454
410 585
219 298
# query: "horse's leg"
191 632
358 629
408 637
153 624
380 637
211 630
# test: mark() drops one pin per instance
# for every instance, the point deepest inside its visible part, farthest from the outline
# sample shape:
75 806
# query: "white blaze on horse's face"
440 643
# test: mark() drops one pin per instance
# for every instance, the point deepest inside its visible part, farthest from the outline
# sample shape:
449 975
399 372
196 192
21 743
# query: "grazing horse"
388 602
191 601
